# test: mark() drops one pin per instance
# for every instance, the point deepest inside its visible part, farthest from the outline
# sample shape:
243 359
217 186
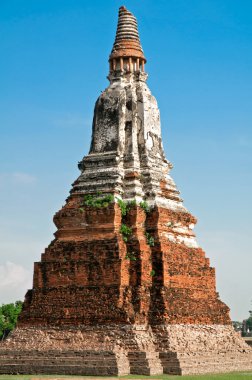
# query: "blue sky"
54 66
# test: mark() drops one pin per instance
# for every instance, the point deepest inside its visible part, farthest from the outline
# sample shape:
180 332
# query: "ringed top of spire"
127 42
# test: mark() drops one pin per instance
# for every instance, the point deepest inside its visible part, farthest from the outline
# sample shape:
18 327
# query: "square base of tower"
123 350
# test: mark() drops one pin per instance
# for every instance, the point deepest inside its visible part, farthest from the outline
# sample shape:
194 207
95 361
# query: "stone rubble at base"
109 350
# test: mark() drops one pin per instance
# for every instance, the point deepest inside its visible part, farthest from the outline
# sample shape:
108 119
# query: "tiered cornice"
127 53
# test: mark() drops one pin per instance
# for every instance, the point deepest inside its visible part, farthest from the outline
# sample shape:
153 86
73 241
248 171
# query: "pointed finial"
127 46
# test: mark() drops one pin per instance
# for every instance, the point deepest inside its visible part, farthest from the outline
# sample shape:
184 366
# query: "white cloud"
23 178
17 178
15 280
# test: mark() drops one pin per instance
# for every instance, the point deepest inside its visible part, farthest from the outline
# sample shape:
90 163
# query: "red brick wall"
86 276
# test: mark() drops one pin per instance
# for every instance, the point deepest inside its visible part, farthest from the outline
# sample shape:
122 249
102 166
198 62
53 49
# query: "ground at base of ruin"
226 376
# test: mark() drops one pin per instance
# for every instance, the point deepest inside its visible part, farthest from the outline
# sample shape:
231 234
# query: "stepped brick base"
87 277
114 350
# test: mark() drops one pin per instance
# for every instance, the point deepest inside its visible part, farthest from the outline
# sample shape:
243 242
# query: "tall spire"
127 53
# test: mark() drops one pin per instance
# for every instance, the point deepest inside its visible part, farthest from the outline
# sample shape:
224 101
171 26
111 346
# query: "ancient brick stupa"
124 287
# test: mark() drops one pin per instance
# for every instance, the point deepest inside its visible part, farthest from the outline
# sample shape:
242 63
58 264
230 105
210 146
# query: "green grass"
227 376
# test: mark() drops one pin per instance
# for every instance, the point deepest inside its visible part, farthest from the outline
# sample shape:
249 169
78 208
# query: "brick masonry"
89 300
103 303
119 350
86 275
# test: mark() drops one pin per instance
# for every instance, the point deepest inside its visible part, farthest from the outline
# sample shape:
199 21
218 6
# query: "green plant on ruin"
131 204
131 256
152 273
97 201
126 232
123 206
144 205
150 239
126 206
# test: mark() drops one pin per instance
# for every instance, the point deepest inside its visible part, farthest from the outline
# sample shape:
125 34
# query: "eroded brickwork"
90 275
125 349
124 287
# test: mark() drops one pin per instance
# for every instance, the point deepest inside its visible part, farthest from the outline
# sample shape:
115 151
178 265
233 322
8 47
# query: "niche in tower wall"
128 137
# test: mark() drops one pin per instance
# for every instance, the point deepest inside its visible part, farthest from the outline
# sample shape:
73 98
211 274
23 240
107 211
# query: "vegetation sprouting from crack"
144 205
97 201
126 232
150 239
126 206
131 256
